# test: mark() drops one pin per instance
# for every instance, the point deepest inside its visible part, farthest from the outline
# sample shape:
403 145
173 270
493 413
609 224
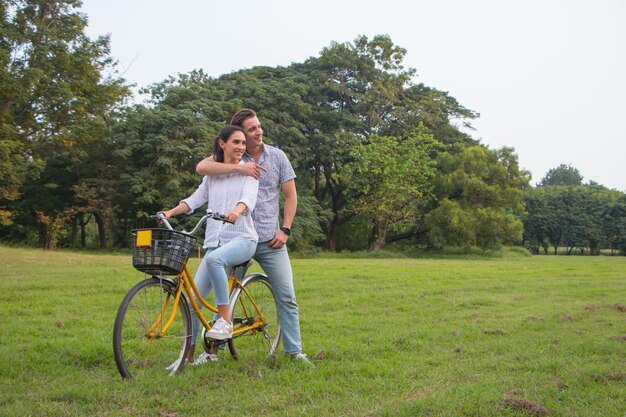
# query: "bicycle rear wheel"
263 341
141 349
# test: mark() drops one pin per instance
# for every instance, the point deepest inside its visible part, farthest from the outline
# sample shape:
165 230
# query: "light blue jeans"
213 273
276 264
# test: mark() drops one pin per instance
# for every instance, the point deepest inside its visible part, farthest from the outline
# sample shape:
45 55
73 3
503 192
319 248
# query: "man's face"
254 133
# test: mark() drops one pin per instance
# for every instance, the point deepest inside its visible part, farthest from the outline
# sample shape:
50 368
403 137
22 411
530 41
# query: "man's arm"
291 202
289 213
208 166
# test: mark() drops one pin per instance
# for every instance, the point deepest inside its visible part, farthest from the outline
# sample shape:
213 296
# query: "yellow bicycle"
153 324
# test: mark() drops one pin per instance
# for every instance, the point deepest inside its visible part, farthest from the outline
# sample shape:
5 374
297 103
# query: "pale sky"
548 77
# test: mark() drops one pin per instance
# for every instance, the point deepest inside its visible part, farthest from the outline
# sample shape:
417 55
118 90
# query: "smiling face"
233 147
254 132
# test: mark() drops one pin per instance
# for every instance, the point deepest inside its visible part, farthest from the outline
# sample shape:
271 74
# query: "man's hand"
280 239
251 169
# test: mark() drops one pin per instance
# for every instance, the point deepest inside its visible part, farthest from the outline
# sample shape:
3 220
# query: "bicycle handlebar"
209 215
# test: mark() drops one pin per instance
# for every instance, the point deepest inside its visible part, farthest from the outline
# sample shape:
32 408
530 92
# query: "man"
272 168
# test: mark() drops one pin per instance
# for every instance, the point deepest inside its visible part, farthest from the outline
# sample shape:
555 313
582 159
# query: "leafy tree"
613 216
57 87
355 88
536 220
390 178
562 175
480 199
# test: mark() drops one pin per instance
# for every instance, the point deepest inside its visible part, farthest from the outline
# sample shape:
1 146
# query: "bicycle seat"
240 270
245 264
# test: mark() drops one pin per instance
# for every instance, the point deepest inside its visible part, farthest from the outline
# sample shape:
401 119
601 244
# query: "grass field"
512 336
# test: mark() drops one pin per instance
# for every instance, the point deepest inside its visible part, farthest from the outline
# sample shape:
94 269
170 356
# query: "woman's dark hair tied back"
218 152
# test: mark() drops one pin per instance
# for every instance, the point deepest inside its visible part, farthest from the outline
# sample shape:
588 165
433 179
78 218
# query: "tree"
355 86
479 193
390 178
57 87
562 175
536 220
613 216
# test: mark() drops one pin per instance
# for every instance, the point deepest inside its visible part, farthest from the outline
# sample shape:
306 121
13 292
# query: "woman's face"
234 147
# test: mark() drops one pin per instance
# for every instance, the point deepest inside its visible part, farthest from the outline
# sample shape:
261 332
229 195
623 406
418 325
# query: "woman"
226 244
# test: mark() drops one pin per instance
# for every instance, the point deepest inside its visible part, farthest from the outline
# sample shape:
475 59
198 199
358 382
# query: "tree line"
379 158
563 213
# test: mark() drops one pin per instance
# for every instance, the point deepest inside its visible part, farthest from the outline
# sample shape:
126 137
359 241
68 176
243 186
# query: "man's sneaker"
301 357
204 358
221 330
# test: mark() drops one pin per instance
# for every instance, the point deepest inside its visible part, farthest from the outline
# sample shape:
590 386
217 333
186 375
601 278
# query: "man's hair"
227 131
241 116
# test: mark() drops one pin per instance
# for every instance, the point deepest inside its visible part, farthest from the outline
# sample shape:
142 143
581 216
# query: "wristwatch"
286 230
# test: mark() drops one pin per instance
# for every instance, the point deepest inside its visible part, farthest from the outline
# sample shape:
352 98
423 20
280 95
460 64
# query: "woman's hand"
232 216
167 213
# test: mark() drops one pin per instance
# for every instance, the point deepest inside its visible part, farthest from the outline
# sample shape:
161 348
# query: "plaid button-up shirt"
266 211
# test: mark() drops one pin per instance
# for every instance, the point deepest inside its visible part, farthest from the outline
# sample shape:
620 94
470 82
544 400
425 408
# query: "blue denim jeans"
276 264
213 273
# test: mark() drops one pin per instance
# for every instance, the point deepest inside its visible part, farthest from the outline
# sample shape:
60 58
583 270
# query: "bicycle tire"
141 357
258 343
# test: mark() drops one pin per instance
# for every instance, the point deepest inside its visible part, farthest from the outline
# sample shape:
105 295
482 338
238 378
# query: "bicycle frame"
186 282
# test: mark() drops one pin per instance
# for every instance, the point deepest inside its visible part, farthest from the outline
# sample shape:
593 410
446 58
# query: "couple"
243 179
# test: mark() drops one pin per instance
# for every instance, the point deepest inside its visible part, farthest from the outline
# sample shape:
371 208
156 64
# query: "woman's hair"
241 116
227 131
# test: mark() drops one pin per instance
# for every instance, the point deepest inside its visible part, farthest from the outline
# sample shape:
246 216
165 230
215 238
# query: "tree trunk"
380 233
83 233
377 245
74 231
44 236
331 235
101 230
124 242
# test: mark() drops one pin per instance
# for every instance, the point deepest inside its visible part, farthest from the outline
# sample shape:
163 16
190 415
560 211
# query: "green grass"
506 336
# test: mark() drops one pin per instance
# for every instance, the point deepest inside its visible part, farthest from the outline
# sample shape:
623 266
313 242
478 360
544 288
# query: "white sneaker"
221 330
302 358
204 358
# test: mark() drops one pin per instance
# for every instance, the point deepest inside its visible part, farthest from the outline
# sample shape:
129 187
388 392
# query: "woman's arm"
188 205
247 199
179 209
234 214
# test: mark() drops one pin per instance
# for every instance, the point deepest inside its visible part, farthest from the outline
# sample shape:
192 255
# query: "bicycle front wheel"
143 348
254 309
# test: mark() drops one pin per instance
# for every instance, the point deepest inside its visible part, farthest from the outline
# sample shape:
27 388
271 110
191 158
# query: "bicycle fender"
166 279
249 277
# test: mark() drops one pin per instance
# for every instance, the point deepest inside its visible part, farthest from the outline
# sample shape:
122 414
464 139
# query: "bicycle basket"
161 251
